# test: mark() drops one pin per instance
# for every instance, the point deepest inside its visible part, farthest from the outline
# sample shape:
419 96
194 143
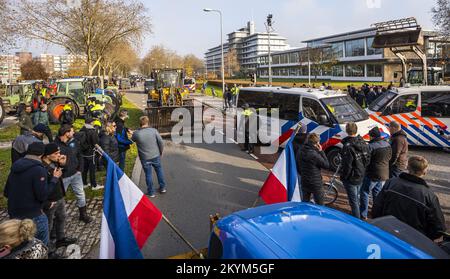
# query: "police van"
423 112
324 112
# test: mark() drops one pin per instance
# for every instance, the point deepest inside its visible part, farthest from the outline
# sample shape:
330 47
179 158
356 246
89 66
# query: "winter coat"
122 135
25 123
27 188
312 161
380 154
355 158
110 145
67 117
91 139
58 192
29 250
20 145
410 199
399 144
72 151
41 117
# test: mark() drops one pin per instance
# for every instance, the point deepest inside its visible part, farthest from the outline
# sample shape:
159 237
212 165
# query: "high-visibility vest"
234 90
67 107
98 107
247 112
411 104
332 110
97 122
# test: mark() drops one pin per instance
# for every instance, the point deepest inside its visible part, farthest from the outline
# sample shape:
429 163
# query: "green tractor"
17 96
78 91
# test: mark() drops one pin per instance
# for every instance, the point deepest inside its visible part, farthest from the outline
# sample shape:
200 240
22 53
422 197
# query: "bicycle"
331 192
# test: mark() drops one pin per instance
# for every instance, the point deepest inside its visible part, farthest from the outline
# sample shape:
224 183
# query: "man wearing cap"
55 206
377 172
21 143
27 189
72 169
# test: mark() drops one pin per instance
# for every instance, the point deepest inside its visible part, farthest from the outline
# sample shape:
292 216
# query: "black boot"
84 216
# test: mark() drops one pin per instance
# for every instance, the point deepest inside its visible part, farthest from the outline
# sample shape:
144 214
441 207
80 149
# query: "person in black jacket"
355 158
410 199
88 140
122 136
67 116
313 160
27 189
377 172
109 143
55 207
69 147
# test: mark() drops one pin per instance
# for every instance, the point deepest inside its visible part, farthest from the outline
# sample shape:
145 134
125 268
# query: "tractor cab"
17 95
168 88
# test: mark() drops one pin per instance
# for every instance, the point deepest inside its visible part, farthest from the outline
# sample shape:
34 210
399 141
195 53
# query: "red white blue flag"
129 217
282 185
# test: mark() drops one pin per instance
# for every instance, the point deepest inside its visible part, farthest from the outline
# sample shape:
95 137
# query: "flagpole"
182 237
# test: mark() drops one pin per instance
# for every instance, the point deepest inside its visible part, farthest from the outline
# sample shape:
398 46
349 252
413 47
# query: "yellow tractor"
168 89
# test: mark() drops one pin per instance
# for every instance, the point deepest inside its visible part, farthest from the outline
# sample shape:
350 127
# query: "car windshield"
188 81
149 84
15 90
345 109
379 104
76 90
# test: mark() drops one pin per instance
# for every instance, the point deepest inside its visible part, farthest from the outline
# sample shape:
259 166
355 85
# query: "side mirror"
323 120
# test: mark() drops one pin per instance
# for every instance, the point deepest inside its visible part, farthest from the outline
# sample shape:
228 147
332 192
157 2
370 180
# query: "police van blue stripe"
436 134
426 136
414 136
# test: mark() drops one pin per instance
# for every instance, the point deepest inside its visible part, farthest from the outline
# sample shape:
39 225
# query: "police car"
422 111
324 112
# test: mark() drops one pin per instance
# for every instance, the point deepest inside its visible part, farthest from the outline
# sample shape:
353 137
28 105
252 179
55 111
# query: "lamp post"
221 44
269 30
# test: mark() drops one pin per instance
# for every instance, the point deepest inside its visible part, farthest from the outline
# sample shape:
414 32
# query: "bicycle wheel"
330 194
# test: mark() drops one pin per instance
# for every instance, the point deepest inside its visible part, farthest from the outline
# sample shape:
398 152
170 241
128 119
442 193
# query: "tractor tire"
2 111
55 109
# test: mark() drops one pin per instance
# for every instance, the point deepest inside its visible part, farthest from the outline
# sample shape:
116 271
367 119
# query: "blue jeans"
122 158
76 182
147 166
369 186
353 197
41 222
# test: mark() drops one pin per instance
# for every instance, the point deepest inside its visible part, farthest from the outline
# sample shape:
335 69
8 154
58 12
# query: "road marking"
254 157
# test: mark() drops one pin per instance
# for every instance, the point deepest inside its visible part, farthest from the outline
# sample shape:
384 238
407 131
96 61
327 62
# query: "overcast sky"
182 25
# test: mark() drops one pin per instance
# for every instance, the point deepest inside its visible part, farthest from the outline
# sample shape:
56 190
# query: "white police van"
324 112
422 111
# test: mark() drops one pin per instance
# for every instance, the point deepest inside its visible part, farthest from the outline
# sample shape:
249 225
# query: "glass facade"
355 70
355 48
337 50
293 58
338 71
374 70
373 51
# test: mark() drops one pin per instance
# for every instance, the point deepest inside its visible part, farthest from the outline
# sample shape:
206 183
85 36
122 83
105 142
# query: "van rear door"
436 114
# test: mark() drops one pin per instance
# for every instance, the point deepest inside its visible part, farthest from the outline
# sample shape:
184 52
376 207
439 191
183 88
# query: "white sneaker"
99 187
87 186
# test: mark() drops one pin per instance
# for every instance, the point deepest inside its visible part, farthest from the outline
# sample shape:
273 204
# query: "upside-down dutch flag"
282 185
129 217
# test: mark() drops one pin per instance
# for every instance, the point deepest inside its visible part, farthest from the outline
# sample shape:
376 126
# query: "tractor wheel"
2 111
55 109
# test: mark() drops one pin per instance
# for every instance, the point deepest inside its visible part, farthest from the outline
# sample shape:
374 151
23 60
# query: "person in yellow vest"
247 113
234 92
89 106
411 105
67 116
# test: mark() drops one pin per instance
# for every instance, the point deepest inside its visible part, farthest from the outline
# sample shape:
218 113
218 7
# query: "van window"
255 100
345 109
436 104
288 105
380 102
403 104
312 109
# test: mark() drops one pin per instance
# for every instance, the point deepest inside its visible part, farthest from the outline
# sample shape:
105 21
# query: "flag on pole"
129 217
282 184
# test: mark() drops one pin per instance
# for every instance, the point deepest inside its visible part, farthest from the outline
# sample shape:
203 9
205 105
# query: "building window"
284 72
276 59
373 51
284 59
338 71
276 72
354 48
374 70
293 58
293 72
354 71
337 50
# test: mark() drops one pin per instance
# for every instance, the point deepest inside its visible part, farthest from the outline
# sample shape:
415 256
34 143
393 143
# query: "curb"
137 171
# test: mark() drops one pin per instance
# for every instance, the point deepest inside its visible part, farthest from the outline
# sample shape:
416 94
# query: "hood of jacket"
358 142
25 164
400 133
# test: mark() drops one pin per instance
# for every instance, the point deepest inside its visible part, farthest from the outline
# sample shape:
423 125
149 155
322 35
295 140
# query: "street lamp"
269 29
221 44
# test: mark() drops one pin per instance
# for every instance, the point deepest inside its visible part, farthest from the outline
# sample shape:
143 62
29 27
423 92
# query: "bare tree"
441 16
8 34
322 60
231 62
33 70
121 58
192 65
90 28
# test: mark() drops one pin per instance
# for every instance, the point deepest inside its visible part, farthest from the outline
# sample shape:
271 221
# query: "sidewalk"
212 102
